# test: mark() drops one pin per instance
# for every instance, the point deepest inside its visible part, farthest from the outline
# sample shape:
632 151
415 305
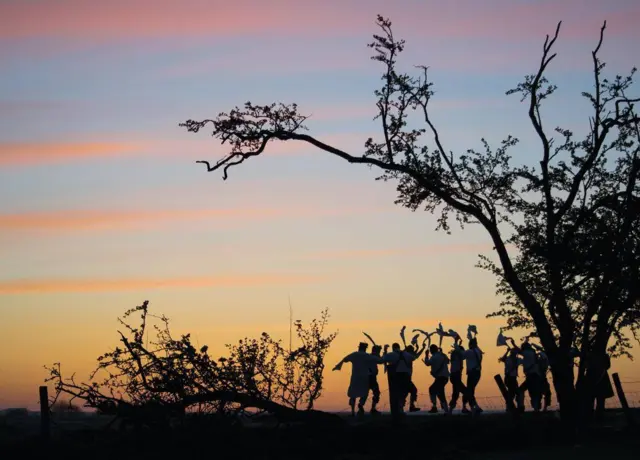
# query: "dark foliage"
162 378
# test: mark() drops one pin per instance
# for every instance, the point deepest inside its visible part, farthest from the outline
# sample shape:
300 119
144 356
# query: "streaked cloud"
393 252
30 153
77 220
368 111
363 324
119 19
43 286
95 219
161 18
189 146
205 39
286 62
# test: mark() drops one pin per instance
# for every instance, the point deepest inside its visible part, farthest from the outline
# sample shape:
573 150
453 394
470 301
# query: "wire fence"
496 403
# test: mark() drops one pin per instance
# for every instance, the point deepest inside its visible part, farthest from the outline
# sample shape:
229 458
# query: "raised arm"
338 366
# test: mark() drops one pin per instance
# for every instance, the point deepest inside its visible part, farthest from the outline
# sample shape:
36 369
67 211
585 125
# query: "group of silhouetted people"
535 366
398 366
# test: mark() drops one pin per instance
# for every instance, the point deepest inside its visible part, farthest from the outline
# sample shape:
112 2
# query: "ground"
489 436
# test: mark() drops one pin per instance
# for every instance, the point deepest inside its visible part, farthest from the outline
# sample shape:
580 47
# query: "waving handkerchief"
404 342
470 329
421 331
370 338
441 332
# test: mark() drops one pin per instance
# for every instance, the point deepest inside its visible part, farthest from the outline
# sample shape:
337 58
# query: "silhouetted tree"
572 218
265 369
161 378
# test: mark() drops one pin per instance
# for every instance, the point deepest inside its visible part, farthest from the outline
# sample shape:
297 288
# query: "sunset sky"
102 205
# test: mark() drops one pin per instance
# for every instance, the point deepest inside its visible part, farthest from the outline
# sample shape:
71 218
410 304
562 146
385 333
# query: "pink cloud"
392 252
120 19
190 147
293 59
29 153
514 21
107 219
463 35
368 111
100 220
42 286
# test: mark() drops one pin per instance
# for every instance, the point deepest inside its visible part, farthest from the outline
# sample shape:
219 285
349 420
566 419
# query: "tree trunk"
562 371
282 413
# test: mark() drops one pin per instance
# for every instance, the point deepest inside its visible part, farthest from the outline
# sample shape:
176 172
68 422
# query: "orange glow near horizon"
128 284
89 341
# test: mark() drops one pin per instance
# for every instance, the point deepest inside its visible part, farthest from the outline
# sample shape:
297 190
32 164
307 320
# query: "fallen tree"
154 381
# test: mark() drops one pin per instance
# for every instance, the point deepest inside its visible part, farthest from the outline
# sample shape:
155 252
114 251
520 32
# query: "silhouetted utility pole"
623 399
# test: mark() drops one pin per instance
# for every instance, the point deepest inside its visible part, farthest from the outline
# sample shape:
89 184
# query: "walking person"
439 363
458 388
511 364
398 370
473 357
532 376
361 362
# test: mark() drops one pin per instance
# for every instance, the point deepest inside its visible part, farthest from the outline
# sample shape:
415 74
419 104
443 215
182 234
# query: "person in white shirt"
473 357
399 372
439 363
532 375
458 388
361 363
511 364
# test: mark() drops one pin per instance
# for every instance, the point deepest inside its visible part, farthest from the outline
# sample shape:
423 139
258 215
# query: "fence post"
623 399
505 393
45 422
